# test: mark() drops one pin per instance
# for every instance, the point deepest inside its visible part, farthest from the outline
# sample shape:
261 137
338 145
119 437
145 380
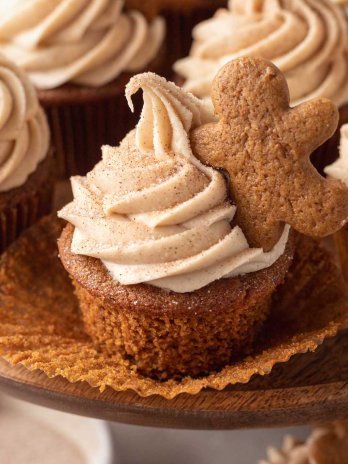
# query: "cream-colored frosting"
339 169
87 42
24 133
327 444
152 212
306 39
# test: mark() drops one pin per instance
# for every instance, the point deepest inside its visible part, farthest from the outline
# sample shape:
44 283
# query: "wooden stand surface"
310 388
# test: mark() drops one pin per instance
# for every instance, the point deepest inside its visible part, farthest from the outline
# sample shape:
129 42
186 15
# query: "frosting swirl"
87 42
327 444
152 212
305 39
24 133
339 169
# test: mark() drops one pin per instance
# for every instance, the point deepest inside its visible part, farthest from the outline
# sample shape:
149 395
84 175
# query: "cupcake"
181 16
163 271
306 39
79 55
25 163
339 170
327 444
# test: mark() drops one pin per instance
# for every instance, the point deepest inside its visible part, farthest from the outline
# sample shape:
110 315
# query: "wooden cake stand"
310 388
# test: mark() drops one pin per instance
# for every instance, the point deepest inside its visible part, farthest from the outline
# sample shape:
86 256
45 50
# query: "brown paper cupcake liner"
22 207
328 152
41 328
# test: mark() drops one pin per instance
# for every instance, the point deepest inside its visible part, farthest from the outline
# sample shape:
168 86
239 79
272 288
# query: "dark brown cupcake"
83 119
23 206
168 334
181 17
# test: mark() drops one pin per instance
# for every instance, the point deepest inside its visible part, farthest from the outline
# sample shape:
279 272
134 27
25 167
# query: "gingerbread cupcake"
327 444
79 55
25 163
306 39
175 266
181 16
339 170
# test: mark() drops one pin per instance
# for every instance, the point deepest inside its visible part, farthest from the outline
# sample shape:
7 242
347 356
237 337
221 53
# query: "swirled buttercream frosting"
24 133
86 42
306 39
326 445
339 169
152 212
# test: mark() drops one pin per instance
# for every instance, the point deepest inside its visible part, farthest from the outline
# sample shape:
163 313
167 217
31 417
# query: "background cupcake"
339 170
79 55
25 165
306 39
181 16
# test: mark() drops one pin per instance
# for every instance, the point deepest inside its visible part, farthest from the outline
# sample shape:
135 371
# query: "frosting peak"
24 133
152 212
306 39
88 42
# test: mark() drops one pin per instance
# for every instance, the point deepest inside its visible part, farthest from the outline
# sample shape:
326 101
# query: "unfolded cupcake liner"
22 207
41 327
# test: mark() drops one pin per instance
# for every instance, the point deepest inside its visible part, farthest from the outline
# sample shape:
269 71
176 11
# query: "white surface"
139 445
91 436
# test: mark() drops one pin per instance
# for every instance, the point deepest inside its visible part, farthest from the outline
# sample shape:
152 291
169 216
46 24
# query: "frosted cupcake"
25 165
327 444
79 55
163 273
181 16
339 170
306 39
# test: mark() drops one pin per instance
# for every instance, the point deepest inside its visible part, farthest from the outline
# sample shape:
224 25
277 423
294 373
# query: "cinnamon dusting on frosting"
152 212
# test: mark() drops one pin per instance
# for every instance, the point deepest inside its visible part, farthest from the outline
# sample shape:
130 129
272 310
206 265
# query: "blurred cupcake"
327 444
339 170
79 55
181 16
25 164
306 39
162 272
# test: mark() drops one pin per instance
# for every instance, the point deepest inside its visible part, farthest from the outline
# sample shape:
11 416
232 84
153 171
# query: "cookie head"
265 147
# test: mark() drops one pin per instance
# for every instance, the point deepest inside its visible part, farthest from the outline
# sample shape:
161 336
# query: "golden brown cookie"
265 145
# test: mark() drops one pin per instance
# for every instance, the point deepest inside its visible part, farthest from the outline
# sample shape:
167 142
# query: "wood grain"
310 388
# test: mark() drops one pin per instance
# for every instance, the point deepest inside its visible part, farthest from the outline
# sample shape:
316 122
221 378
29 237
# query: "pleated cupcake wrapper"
41 328
79 129
31 207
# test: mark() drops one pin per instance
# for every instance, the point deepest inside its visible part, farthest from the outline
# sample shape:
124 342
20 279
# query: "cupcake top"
152 212
24 133
327 444
306 39
86 42
339 169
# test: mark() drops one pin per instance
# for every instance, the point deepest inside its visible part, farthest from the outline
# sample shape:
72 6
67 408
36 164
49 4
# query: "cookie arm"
309 125
205 143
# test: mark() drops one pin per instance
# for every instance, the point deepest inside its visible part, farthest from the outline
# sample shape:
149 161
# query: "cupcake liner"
341 239
328 152
41 328
22 207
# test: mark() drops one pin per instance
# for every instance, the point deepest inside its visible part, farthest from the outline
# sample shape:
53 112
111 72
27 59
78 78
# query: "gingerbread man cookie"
265 146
